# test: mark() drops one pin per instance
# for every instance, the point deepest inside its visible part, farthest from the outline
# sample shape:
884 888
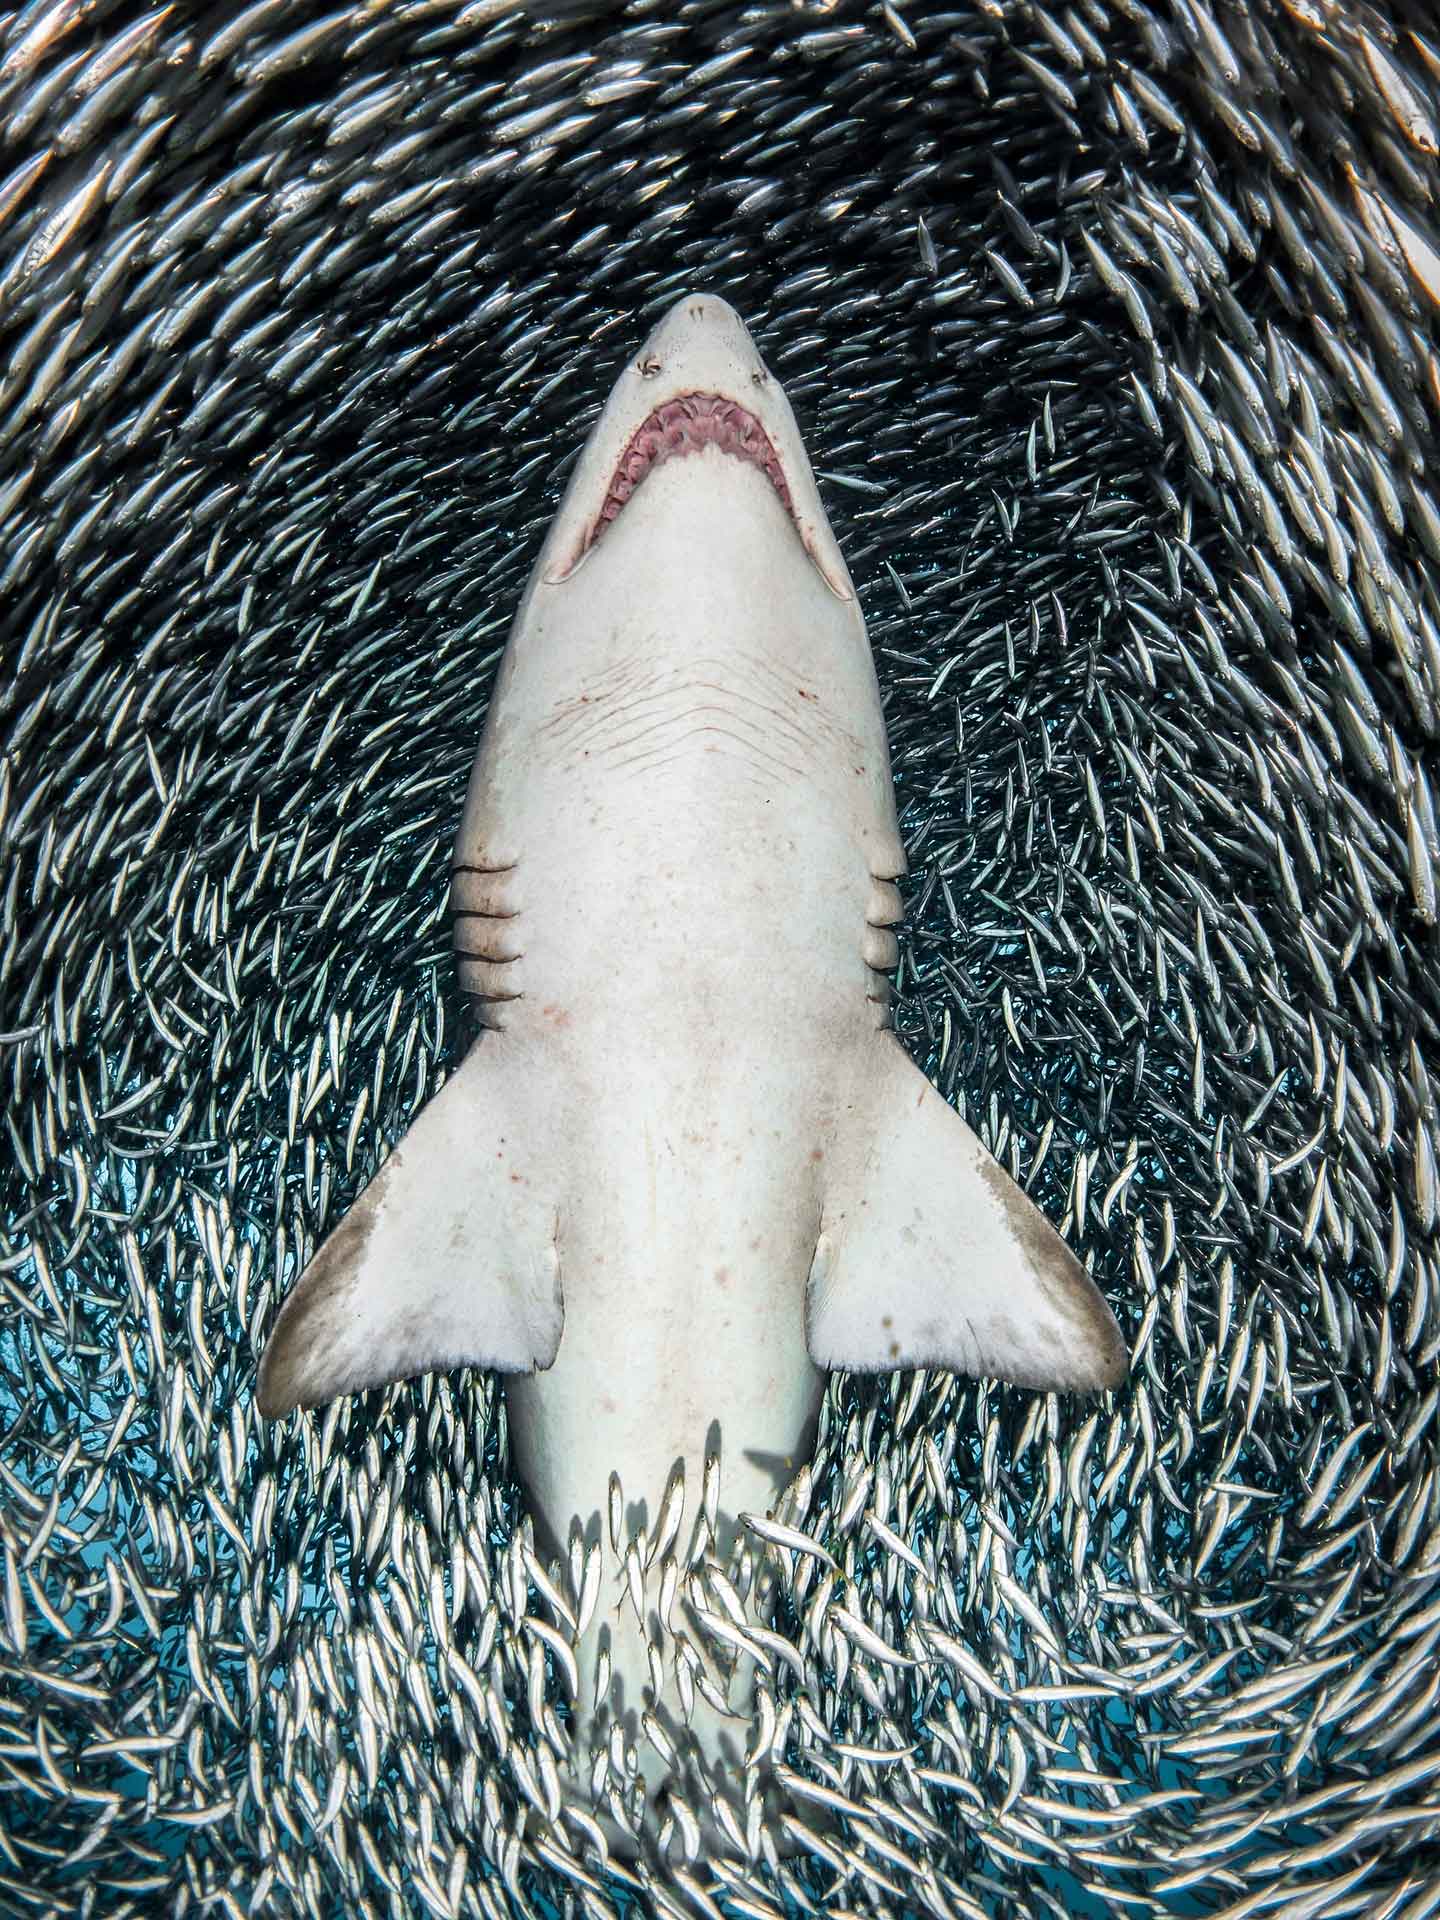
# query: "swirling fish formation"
1111 327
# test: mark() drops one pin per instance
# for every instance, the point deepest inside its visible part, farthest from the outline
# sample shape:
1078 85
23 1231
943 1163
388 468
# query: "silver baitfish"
1112 329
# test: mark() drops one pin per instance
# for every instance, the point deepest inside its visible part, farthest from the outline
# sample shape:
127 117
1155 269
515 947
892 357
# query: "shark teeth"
684 425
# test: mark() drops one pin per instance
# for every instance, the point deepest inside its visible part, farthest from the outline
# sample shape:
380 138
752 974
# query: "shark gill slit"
879 946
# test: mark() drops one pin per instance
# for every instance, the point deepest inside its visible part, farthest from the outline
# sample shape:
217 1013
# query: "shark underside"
690 1167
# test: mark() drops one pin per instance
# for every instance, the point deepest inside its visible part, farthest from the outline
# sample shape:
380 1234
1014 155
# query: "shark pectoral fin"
447 1259
930 1255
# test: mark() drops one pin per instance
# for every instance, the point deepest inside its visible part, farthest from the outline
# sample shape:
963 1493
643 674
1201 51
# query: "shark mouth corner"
679 427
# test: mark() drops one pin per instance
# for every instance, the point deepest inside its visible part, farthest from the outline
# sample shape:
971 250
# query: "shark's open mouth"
685 425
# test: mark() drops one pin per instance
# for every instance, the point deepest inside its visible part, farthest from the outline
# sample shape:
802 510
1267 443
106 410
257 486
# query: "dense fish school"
1111 330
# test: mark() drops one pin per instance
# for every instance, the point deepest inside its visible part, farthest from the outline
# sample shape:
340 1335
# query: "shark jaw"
697 384
683 426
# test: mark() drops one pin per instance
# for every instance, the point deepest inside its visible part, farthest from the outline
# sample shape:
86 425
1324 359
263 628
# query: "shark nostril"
650 365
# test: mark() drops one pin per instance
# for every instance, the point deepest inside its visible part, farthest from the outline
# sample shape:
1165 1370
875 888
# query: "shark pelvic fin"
929 1255
447 1259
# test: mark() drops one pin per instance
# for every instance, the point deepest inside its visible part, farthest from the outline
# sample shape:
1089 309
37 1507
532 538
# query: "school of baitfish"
1111 328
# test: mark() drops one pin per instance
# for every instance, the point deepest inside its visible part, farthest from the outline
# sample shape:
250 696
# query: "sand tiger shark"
689 1167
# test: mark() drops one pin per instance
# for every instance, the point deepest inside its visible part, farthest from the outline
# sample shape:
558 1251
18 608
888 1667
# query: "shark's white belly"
690 946
686 1172
690 839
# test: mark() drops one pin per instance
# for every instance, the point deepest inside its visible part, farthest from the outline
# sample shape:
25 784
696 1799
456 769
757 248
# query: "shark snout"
697 382
702 345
